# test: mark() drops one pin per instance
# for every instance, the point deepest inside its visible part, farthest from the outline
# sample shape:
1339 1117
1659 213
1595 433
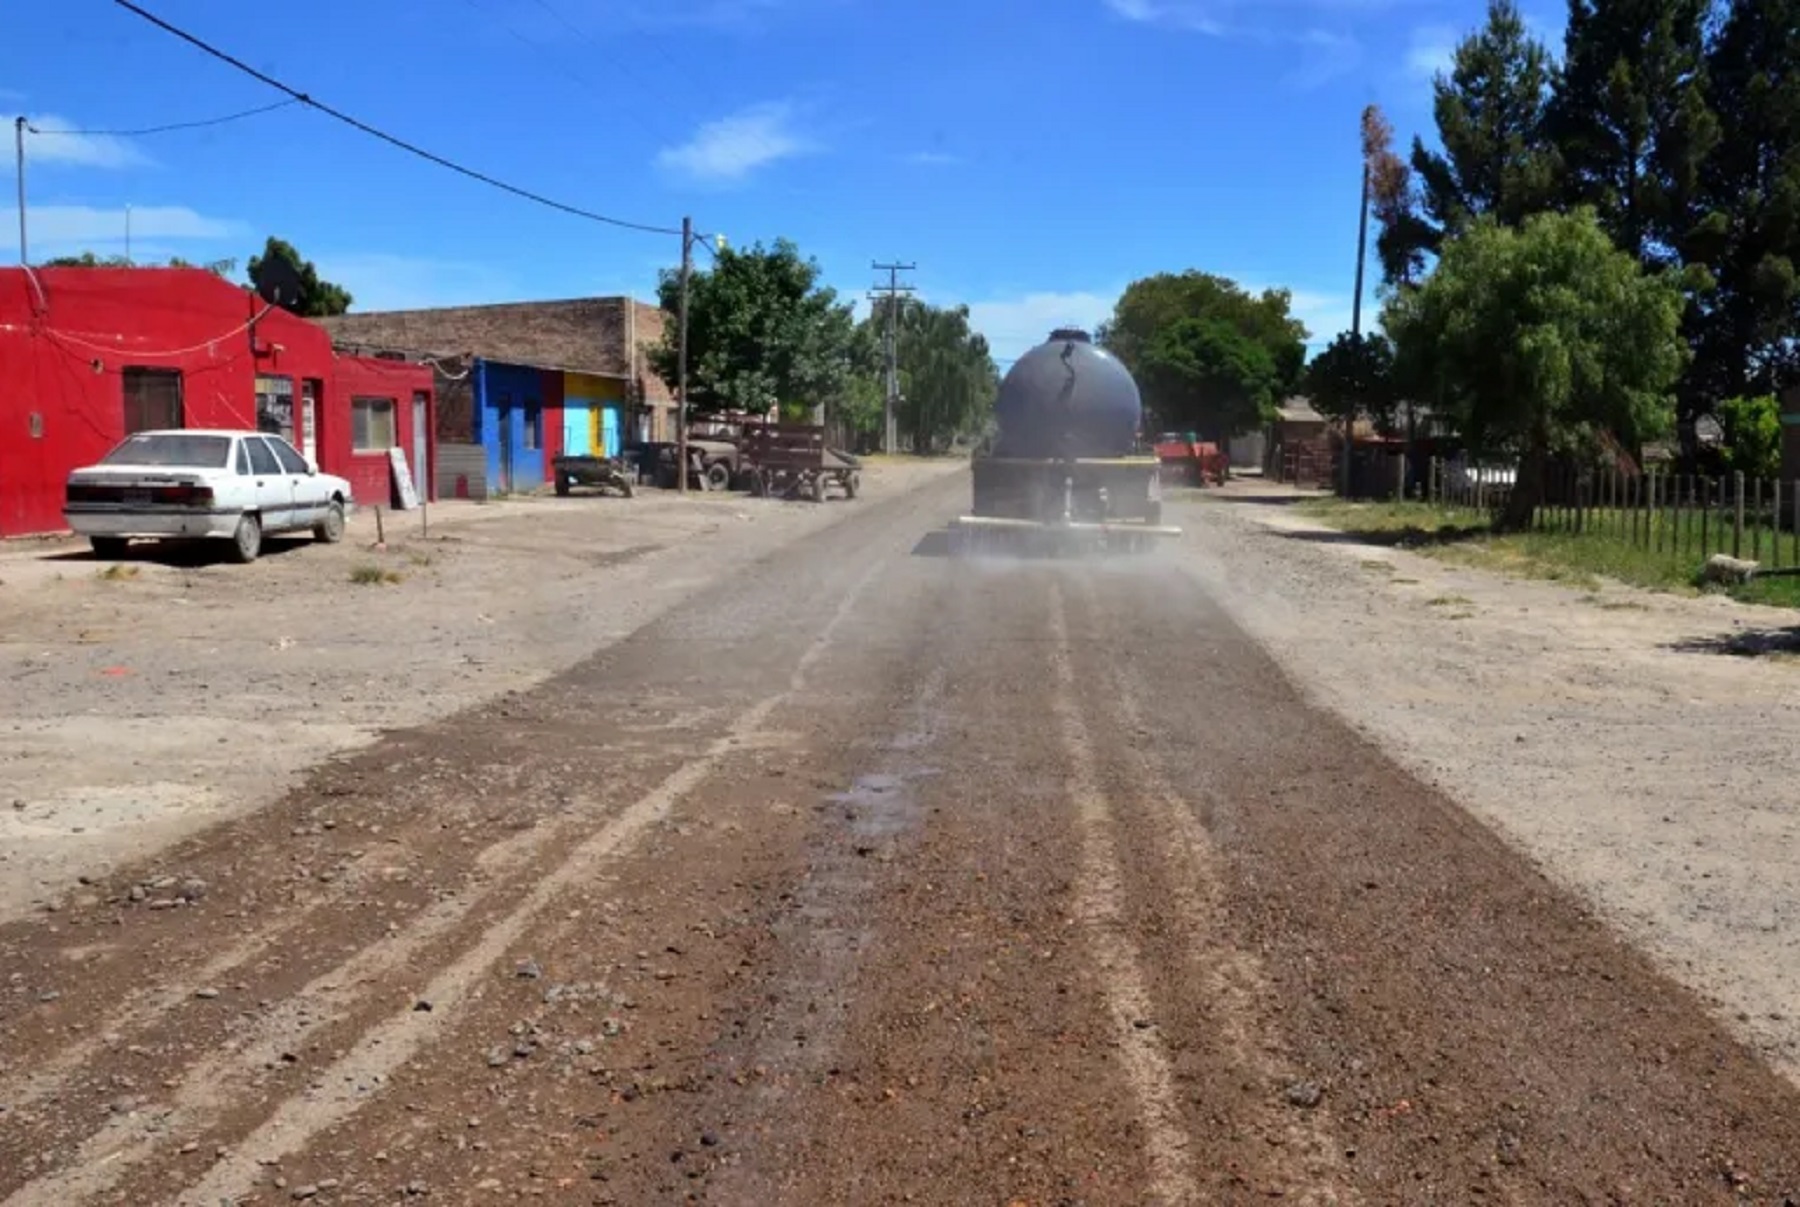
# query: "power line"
384 136
210 121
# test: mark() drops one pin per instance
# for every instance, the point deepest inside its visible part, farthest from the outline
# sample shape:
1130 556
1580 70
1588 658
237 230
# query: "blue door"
609 431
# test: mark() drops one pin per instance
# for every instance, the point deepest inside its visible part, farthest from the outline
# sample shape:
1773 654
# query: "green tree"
1536 339
1208 375
1747 329
1152 305
762 332
1752 435
1354 376
318 297
1491 113
88 259
948 379
1630 119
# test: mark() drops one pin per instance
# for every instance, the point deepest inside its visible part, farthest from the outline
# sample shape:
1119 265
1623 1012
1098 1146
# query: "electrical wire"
411 148
64 337
211 121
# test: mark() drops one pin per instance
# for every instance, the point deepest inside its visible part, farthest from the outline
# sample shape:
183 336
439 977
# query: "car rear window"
172 449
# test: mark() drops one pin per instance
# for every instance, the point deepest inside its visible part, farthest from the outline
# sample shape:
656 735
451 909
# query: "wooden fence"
1683 515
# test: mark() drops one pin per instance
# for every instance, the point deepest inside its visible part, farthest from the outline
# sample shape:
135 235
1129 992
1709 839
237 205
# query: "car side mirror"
312 471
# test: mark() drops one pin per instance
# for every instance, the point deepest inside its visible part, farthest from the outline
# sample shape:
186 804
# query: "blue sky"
1032 157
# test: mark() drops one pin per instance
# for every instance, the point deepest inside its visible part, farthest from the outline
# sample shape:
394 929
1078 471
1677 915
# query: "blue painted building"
518 421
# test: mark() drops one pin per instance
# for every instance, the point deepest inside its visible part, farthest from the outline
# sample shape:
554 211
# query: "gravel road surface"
865 876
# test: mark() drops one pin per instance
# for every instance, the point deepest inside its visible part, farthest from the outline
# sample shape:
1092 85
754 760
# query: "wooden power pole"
892 291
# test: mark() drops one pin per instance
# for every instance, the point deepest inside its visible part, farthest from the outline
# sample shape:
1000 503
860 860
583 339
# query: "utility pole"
890 436
687 272
1362 246
19 146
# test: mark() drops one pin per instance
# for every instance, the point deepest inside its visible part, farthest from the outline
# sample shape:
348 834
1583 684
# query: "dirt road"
865 877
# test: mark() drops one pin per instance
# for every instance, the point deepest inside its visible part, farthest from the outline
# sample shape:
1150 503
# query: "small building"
89 355
1299 446
523 381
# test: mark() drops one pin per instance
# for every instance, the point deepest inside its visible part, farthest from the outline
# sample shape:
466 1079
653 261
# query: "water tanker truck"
1066 468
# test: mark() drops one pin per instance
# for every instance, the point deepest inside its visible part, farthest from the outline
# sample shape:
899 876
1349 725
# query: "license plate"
135 498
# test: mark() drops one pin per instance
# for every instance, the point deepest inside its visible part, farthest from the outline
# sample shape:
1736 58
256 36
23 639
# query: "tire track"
394 1042
1100 909
113 1152
1234 985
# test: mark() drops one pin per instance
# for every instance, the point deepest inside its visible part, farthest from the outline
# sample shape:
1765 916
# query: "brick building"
603 342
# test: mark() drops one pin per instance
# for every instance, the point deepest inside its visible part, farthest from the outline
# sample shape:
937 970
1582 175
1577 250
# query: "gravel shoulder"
142 701
1608 734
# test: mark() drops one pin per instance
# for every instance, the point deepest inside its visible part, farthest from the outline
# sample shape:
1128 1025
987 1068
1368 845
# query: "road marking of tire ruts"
1233 979
351 1081
1100 909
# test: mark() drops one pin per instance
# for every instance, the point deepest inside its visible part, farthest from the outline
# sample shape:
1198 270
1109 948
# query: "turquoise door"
577 430
609 431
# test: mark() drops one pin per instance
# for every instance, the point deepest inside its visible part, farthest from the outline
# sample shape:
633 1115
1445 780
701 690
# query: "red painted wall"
67 334
552 388
371 478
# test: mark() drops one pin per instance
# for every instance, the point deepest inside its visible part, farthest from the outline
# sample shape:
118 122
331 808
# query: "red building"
88 355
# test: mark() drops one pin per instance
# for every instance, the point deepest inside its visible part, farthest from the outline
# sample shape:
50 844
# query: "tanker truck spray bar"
1066 470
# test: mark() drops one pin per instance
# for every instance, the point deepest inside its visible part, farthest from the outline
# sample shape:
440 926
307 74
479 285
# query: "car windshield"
175 448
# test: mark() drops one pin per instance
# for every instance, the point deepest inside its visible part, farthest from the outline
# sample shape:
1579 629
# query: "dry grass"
370 575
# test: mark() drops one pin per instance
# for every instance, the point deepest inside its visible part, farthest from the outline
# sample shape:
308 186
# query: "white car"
198 484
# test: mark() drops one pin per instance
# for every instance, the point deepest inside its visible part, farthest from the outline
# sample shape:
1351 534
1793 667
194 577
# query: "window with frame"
275 405
372 424
534 427
152 398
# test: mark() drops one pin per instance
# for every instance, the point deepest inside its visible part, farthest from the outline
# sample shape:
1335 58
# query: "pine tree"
1492 112
1630 119
1492 119
1749 324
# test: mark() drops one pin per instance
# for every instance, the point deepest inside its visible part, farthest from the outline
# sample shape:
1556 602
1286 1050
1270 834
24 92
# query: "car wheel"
246 542
109 548
718 476
331 528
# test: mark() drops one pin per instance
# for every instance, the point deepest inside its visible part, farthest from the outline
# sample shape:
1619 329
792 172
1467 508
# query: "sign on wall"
403 482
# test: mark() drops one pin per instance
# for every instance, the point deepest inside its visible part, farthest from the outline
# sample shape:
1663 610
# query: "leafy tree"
1752 435
318 298
1537 338
1491 113
1355 375
1747 328
761 333
1208 375
88 259
1153 304
947 375
1630 118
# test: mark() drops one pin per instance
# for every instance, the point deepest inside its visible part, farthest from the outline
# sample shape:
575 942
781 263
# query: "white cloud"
731 148
1324 56
1430 50
55 230
48 140
1196 15
383 281
1013 326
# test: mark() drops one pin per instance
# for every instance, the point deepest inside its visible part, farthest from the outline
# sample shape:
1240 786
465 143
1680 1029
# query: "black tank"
1067 398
